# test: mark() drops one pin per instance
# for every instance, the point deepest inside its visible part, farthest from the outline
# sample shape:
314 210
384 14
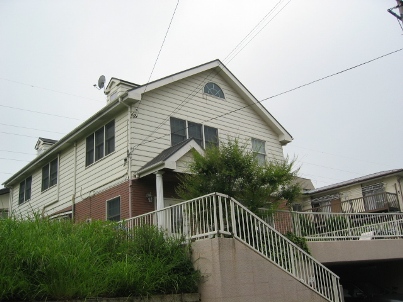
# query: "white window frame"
92 151
107 208
203 139
259 153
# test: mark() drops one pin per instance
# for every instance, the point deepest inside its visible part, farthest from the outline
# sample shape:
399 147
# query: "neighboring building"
4 202
378 192
124 160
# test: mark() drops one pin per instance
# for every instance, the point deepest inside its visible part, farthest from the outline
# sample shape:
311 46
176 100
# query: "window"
100 143
195 131
113 209
178 131
25 190
49 174
211 136
258 147
214 90
204 135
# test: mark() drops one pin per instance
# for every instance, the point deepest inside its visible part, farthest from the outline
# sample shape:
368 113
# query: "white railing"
316 226
219 215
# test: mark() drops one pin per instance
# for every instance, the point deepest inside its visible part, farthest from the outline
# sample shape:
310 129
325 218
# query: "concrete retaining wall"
234 272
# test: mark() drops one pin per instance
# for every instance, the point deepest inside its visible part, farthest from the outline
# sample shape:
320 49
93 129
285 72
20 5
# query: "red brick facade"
94 207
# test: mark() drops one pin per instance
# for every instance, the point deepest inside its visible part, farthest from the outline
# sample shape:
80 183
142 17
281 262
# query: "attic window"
214 90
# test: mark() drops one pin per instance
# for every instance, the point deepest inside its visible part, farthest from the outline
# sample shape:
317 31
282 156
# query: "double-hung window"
113 209
258 148
25 190
204 135
49 174
100 143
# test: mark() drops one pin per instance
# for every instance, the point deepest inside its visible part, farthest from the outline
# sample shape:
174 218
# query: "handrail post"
221 215
216 230
233 220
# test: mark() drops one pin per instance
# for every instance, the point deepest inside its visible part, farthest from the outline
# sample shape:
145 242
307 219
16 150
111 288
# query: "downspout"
58 176
73 198
128 144
10 206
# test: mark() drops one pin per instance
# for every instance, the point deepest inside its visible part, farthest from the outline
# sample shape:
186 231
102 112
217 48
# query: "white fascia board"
136 93
185 149
283 135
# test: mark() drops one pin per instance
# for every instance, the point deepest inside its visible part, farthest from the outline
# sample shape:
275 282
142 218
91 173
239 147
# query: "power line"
30 128
274 96
44 113
17 152
52 90
259 31
332 75
166 34
18 134
212 72
15 159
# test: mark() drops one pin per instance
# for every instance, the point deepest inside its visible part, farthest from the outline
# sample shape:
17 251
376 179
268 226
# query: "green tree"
233 170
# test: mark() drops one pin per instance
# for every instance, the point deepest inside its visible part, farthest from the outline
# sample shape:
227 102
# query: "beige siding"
4 201
185 100
88 179
182 163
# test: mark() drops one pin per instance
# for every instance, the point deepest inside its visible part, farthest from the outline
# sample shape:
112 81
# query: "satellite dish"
101 81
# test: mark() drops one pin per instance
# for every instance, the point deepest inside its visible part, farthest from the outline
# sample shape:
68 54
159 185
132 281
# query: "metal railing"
376 202
219 215
317 226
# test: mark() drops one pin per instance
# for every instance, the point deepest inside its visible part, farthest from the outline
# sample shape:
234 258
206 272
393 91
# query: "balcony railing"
380 202
316 226
219 215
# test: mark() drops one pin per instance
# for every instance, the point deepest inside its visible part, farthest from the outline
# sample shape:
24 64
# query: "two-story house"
377 192
124 160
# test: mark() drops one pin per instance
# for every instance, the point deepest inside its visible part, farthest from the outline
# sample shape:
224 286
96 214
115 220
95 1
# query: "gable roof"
217 66
355 181
168 157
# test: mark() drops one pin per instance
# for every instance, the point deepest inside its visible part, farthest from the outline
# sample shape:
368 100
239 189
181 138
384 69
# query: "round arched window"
213 89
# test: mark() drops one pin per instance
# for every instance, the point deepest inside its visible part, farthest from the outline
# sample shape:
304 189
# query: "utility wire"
166 34
27 161
18 134
17 152
52 90
274 96
332 75
213 73
30 128
39 112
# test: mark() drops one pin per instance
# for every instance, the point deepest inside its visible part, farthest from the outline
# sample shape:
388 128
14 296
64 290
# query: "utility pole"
400 7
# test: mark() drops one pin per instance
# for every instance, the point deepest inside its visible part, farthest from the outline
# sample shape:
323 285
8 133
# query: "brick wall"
94 207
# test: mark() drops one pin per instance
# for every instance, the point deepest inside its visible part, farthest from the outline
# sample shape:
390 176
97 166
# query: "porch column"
160 196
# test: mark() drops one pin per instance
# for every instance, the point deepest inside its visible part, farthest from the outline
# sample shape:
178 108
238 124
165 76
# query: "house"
124 160
4 202
374 193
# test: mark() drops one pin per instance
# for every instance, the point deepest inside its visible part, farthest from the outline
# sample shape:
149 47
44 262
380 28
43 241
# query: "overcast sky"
346 126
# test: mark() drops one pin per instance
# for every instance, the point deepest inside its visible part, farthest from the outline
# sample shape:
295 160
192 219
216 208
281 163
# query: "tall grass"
42 259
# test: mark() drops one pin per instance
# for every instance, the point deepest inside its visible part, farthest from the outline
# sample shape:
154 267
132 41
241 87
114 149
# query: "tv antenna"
101 83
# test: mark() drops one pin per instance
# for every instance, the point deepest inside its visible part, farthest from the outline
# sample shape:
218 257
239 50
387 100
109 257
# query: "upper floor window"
213 89
204 135
49 174
100 143
258 147
113 209
25 190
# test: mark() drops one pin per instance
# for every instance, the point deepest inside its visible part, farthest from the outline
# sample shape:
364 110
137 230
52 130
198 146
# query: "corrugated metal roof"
354 181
